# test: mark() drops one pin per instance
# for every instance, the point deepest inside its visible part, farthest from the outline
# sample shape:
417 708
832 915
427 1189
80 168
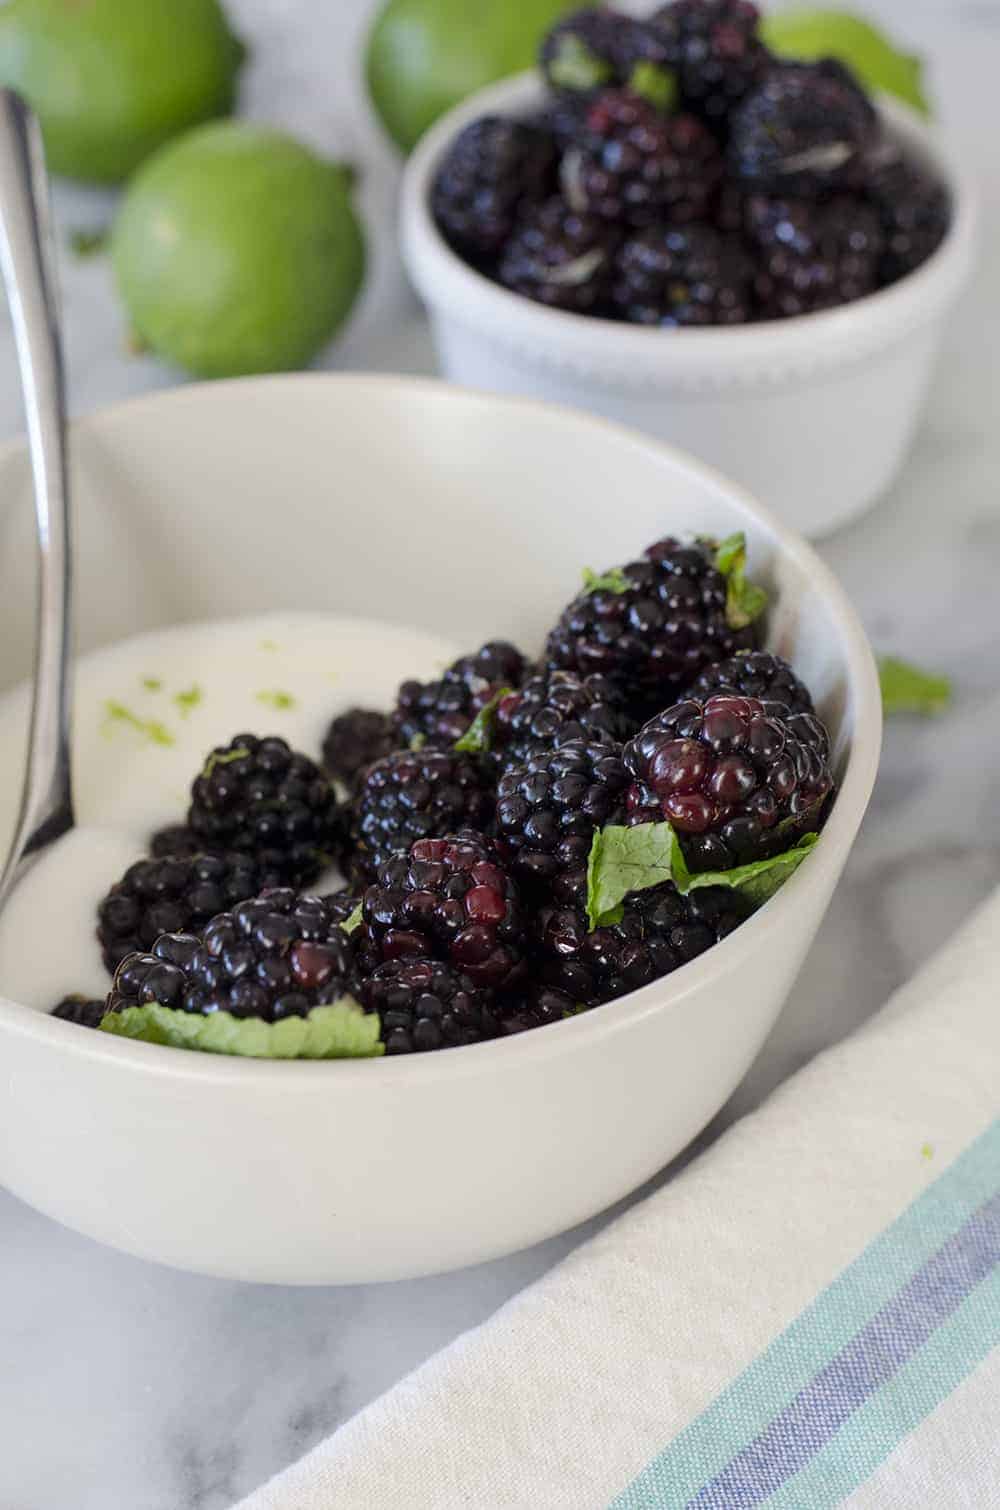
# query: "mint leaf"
744 601
614 581
417 742
478 737
223 757
339 1031
355 920
809 35
624 860
907 689
574 66
657 85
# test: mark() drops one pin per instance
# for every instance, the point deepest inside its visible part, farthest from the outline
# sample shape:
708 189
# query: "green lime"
426 55
113 79
237 250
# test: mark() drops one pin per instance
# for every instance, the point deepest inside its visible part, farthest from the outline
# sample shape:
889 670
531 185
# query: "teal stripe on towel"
744 1409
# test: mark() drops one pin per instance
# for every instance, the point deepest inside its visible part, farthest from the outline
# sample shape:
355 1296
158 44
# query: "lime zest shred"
277 699
151 729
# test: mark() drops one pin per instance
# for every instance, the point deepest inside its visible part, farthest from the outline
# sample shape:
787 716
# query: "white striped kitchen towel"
808 1316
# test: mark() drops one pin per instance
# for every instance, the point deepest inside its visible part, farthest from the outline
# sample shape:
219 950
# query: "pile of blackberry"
465 916
681 175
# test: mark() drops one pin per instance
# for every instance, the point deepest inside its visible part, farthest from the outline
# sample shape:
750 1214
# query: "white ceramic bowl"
814 414
473 516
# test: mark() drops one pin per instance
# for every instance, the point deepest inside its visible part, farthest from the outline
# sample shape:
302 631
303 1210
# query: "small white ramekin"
814 414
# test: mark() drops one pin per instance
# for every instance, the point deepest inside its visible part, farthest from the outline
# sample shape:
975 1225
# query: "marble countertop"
125 1384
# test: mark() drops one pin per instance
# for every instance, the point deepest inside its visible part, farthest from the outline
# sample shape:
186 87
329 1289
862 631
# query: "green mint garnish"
624 860
152 684
809 35
355 920
907 689
574 66
614 581
417 743
88 243
657 85
188 700
339 1031
223 757
478 737
576 1010
744 601
277 699
149 728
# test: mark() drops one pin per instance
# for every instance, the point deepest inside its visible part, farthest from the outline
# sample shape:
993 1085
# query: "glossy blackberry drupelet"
548 808
425 1004
589 49
494 167
738 779
914 209
278 955
636 166
412 795
177 894
683 275
177 839
342 904
85 1011
259 798
659 931
813 256
716 50
354 741
804 131
560 257
451 898
555 707
654 636
438 713
761 675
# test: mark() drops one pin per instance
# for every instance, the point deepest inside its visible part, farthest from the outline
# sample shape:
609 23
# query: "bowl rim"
442 277
600 1023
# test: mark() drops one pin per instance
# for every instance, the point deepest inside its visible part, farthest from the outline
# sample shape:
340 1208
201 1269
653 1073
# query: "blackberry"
560 257
555 707
342 904
535 1008
83 1010
355 740
587 49
565 118
761 675
424 1004
177 839
739 779
548 808
176 894
438 713
636 166
813 256
494 166
451 898
659 931
653 636
683 275
914 209
716 50
257 797
412 795
803 131
277 955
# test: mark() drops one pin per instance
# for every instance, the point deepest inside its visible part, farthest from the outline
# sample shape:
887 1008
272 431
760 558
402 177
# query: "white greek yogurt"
147 712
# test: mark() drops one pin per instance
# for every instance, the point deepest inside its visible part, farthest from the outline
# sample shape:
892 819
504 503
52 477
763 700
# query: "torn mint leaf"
478 737
574 66
810 35
907 689
339 1031
657 85
614 581
355 920
745 602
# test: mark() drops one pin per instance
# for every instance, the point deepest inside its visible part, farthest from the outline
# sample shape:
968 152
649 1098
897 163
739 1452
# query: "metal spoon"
27 255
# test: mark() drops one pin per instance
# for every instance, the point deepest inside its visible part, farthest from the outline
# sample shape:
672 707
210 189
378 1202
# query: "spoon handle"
27 256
